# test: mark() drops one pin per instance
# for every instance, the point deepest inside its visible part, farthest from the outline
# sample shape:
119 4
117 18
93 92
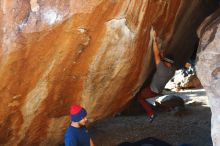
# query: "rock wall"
208 68
96 53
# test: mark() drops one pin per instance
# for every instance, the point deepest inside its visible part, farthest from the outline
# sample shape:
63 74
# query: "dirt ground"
192 127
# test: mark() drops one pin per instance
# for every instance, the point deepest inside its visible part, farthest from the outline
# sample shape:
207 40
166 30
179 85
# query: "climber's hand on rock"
155 35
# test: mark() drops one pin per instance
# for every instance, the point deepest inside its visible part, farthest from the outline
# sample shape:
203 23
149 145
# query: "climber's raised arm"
156 49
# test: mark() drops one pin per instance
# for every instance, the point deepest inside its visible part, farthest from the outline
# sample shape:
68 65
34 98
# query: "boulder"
96 53
208 68
171 103
184 78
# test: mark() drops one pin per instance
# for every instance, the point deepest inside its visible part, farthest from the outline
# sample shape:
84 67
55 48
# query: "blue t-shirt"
76 136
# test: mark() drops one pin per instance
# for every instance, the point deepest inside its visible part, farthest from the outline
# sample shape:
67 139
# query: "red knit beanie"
77 113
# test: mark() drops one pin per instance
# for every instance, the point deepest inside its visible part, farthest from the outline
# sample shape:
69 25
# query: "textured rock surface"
208 68
92 52
184 79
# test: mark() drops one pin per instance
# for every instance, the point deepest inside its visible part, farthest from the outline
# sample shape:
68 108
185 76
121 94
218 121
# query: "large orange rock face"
96 53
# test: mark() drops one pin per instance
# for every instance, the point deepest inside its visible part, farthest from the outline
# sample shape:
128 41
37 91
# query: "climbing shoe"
152 117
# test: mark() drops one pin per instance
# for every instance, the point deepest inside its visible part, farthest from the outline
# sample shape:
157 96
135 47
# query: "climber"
77 134
164 72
